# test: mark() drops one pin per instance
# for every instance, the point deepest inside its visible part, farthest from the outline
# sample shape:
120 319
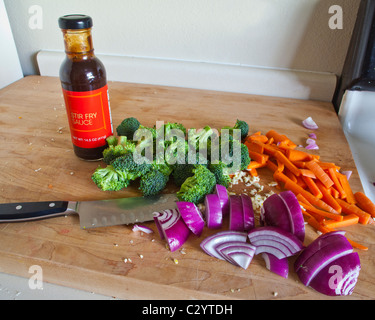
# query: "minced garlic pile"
255 193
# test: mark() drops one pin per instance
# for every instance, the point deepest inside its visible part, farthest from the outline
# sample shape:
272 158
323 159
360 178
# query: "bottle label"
89 116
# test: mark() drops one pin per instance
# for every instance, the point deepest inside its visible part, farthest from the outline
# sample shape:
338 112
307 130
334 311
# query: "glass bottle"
84 84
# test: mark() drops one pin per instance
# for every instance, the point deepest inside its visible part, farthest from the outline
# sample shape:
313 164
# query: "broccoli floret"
127 127
115 151
195 188
108 179
112 141
221 175
181 172
164 168
198 137
129 167
245 157
153 183
152 130
241 125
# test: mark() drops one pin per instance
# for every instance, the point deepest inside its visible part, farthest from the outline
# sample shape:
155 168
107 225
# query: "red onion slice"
236 218
214 214
309 123
276 241
275 265
312 136
338 246
222 192
173 228
237 252
209 244
314 247
339 277
142 229
295 214
284 211
191 216
248 212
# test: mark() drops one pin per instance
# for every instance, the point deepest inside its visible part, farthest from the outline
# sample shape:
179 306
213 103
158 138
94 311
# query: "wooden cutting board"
37 163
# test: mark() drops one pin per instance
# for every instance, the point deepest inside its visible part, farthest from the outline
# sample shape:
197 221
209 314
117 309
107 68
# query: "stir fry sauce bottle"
84 84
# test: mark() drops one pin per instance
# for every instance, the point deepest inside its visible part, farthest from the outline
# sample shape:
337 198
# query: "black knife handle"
17 212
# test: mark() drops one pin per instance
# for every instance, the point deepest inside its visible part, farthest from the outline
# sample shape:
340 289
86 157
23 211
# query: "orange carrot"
319 173
334 192
333 176
258 157
365 203
300 164
315 224
280 139
290 175
298 155
327 165
282 158
255 165
357 245
295 188
253 172
254 147
307 173
257 137
268 148
345 185
322 213
348 208
327 197
347 221
312 187
301 199
271 165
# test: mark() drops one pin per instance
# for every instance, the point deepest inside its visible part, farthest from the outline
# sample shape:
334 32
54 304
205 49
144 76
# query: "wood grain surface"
37 163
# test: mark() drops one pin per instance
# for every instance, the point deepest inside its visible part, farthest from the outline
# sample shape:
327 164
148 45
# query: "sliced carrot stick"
301 199
365 203
254 147
298 155
280 139
348 208
282 158
334 192
347 221
327 197
258 157
268 148
253 172
301 183
296 189
255 165
271 165
327 165
270 141
333 176
307 173
357 245
290 175
257 137
346 186
300 164
322 213
318 226
319 173
312 187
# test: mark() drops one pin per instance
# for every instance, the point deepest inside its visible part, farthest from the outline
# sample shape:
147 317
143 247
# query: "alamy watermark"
336 21
36 280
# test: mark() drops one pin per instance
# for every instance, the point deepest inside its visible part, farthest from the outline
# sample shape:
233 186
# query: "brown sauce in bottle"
84 82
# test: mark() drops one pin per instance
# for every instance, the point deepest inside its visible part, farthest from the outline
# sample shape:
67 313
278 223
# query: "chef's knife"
92 214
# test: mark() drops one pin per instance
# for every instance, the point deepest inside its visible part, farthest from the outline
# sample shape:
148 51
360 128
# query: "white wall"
10 67
268 33
269 47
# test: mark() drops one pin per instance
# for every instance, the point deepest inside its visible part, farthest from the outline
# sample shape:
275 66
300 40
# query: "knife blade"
92 214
